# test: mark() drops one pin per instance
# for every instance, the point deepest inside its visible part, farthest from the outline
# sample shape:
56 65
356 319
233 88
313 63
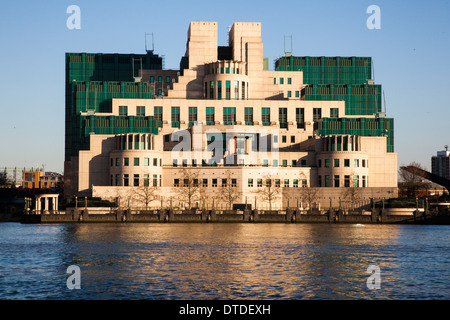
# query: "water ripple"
224 261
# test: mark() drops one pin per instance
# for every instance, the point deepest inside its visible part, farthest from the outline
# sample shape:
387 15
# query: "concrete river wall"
87 215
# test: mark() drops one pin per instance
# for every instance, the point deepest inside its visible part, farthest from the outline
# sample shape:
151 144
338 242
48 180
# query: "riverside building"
225 128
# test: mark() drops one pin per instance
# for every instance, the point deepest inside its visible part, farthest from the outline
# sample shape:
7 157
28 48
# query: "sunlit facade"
224 121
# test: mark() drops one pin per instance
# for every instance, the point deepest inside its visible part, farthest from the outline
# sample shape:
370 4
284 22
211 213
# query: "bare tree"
146 193
3 178
409 181
309 195
228 191
189 186
270 191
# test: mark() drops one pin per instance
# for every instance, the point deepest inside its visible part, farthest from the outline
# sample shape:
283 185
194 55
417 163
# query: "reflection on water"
224 261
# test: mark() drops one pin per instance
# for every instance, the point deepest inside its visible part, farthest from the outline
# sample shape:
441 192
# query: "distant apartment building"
41 180
440 164
313 122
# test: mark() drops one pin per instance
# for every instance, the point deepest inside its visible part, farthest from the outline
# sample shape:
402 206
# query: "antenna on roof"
153 43
373 71
287 53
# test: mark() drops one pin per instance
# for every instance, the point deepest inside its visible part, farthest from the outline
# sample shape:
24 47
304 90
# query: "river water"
207 261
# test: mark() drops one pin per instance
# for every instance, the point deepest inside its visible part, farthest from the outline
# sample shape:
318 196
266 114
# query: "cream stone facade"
227 127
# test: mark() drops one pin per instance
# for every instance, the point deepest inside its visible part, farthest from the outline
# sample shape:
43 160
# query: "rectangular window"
283 139
210 116
346 181
175 162
117 162
248 116
167 79
205 183
158 116
286 183
214 182
282 117
317 114
123 110
265 118
126 162
117 180
136 142
136 180
136 162
152 79
192 116
319 163
236 90
265 163
275 163
211 89
289 94
227 90
277 183
294 163
295 183
300 117
320 181
155 180
155 162
356 163
259 183
303 163
336 163
281 80
219 90
363 163
176 182
112 162
327 181
284 163
336 181
327 163
175 117
274 80
289 81
363 181
243 90
229 116
140 111
146 180
356 181
297 94
346 162
250 183
126 180
292 139
334 113
224 182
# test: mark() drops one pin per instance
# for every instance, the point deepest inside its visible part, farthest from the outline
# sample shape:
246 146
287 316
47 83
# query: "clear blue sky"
411 54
